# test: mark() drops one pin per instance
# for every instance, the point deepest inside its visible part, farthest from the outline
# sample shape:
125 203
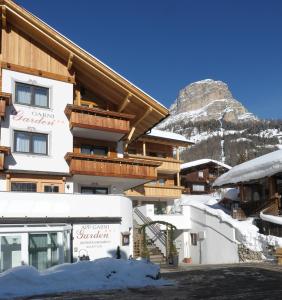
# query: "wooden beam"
125 102
36 72
147 112
70 61
4 18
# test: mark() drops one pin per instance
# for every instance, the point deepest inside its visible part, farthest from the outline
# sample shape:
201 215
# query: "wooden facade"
103 100
199 179
98 119
166 152
112 167
156 191
4 151
30 46
5 100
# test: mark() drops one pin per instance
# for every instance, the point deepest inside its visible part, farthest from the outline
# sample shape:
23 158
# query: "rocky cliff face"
209 100
220 126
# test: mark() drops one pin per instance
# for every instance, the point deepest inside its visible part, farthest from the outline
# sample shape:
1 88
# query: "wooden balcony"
168 165
5 100
95 165
3 152
98 120
156 190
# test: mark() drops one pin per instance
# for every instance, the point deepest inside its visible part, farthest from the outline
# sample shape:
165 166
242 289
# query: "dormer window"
32 95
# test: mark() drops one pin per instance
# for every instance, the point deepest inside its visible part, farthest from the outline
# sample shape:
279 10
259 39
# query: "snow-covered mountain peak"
205 100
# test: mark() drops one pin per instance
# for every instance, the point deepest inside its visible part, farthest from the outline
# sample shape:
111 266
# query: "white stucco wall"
219 243
51 121
48 205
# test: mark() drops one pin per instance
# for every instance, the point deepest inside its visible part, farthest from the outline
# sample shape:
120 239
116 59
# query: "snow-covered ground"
100 274
246 232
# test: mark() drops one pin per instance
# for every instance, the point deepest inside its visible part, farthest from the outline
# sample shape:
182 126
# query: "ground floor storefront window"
39 246
10 246
43 250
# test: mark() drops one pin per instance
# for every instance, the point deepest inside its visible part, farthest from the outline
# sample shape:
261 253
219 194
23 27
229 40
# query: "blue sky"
163 45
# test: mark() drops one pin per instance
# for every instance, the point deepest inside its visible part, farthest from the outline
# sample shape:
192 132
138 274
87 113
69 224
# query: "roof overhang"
88 67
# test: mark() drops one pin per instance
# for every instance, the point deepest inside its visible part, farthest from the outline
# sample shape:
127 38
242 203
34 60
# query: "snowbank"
100 274
260 167
246 232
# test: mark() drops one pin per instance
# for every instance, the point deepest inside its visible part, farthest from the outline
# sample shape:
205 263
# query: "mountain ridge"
210 122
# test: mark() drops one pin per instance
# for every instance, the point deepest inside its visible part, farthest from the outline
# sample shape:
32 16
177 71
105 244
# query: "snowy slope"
100 274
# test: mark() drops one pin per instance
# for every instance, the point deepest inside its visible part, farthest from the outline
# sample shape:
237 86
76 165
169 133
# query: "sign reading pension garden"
92 241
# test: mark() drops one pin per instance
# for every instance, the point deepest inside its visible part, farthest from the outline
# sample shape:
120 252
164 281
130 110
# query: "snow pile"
246 232
100 274
260 167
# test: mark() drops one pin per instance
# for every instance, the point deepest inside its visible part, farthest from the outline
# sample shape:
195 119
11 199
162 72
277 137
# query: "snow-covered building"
66 120
260 184
198 176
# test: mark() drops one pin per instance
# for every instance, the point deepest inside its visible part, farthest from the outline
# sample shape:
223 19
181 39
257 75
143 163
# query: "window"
96 150
194 239
94 190
43 250
32 95
51 189
201 174
10 252
29 142
23 187
198 188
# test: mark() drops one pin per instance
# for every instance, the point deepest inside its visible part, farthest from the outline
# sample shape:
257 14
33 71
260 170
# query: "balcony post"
177 153
178 179
144 148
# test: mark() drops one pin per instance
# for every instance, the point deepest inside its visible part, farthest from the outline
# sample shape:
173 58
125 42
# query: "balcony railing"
3 152
168 165
149 190
95 165
98 119
5 100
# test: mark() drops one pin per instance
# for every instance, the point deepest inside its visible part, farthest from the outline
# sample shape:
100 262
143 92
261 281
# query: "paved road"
250 281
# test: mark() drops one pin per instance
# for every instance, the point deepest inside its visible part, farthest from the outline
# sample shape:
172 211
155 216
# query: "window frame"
93 189
21 182
33 88
30 138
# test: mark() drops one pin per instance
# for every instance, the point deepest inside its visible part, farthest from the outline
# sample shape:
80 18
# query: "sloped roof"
203 162
168 136
260 167
86 63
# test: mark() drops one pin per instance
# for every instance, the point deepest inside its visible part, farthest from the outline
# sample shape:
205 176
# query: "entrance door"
43 250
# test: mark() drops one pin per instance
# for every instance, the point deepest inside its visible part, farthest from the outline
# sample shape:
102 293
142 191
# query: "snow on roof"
260 167
100 274
168 135
203 162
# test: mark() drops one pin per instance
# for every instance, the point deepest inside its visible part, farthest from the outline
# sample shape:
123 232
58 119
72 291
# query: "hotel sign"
95 240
